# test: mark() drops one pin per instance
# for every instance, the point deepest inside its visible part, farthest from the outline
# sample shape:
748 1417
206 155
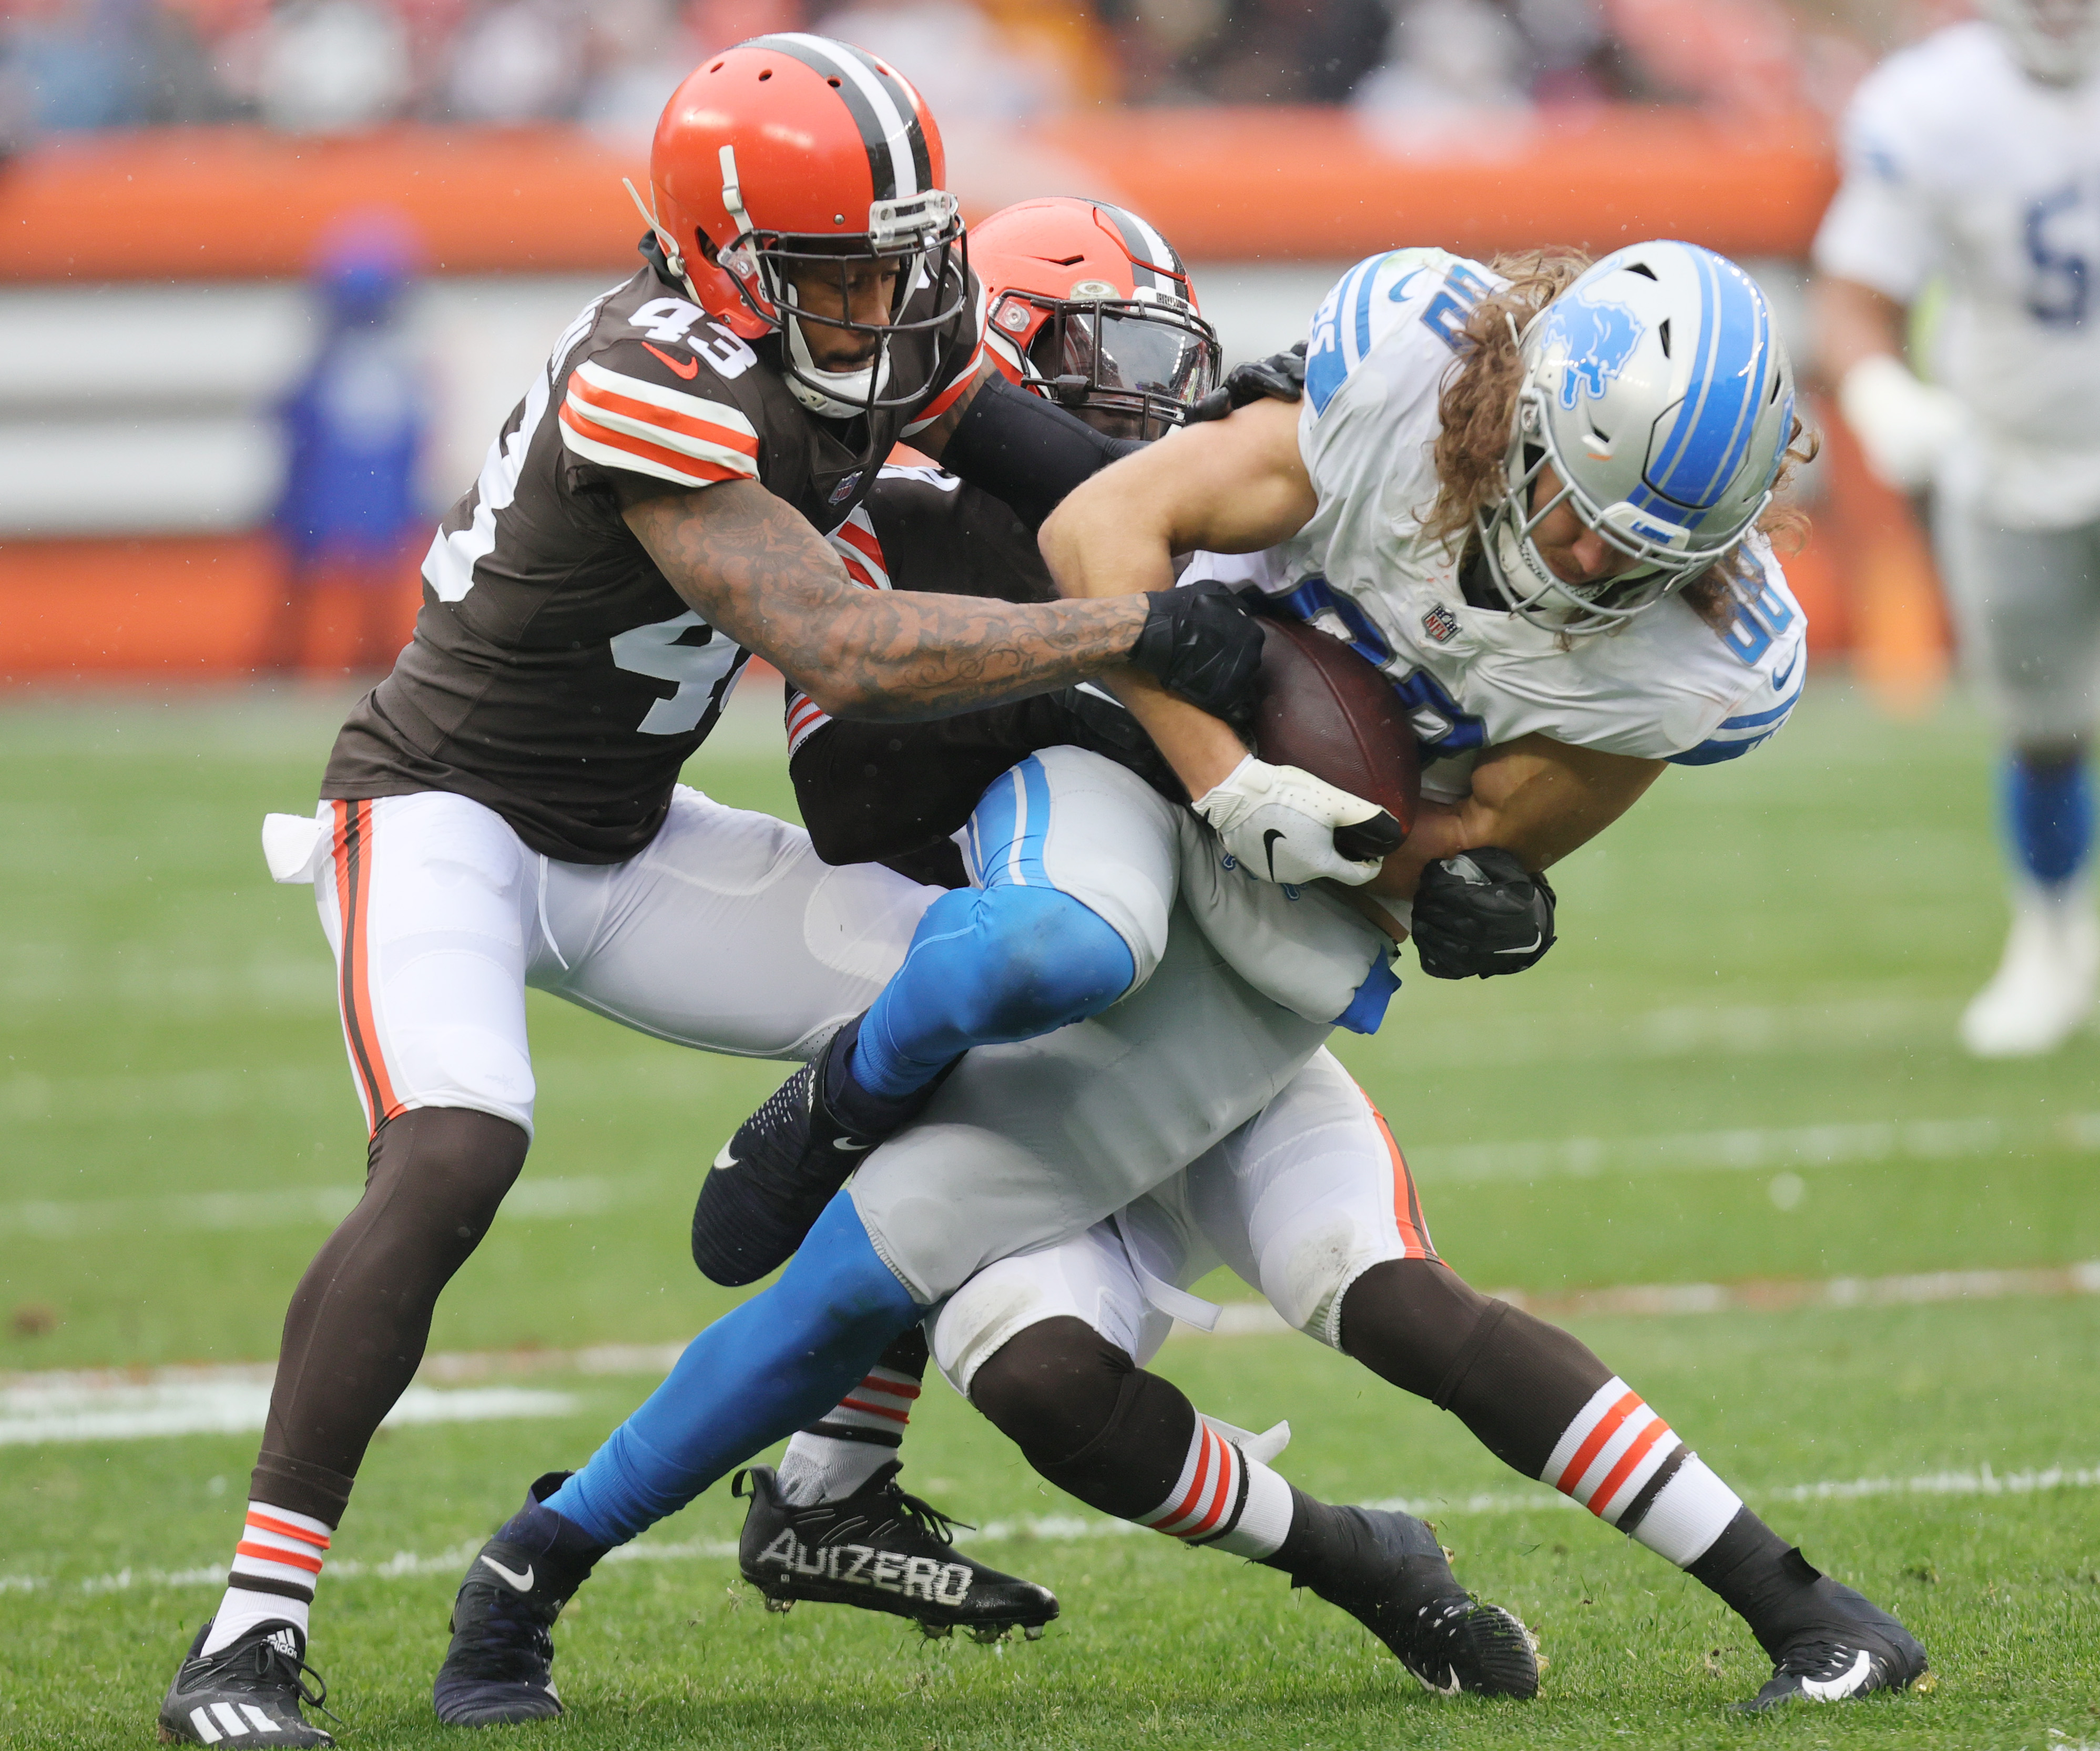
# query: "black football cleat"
499 1668
882 1551
773 1179
1838 1645
1393 1576
248 1694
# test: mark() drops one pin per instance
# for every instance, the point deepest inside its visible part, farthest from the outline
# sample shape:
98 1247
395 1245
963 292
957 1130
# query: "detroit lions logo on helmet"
1597 341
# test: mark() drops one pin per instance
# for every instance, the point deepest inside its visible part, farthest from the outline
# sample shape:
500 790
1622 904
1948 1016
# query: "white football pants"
726 933
1299 1202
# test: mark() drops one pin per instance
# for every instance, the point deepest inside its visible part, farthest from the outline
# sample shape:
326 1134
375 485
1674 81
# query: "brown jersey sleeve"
652 400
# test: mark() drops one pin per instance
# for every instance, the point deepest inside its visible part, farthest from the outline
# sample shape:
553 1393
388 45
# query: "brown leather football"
1327 710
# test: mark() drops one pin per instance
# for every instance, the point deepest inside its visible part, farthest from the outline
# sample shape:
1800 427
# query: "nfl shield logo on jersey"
1441 623
845 489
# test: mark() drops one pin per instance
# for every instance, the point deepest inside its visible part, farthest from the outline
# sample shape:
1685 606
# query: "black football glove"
1280 378
1480 914
1202 643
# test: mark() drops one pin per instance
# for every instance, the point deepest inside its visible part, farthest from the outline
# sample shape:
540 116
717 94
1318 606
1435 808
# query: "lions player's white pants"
726 933
2027 603
1299 1202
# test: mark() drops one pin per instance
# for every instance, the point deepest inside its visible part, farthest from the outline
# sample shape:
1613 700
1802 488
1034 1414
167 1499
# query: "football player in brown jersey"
504 810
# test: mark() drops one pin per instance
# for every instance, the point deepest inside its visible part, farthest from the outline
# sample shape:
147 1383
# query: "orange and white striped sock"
1223 1498
1628 1467
275 1567
863 1433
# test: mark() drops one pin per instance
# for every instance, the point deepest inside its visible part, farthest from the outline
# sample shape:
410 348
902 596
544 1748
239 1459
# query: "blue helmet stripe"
1719 416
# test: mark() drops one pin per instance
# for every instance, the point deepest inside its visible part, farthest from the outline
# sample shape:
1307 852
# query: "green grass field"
1737 1065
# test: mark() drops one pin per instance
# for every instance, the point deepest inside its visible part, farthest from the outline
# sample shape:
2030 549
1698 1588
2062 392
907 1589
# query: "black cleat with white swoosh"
1839 1646
249 1693
500 1667
773 1179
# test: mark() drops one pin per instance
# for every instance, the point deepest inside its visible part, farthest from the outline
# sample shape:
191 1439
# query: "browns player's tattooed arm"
756 569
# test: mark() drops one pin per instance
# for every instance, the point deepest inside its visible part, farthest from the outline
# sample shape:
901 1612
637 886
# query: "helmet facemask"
1136 364
921 235
1509 527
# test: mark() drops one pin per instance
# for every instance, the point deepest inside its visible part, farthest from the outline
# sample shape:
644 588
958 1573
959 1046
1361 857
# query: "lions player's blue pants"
1073 861
753 1377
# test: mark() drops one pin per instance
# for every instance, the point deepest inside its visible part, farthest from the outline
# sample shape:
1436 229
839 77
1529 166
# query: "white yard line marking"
323 1206
56 1393
1067 1528
76 1407
1749 1149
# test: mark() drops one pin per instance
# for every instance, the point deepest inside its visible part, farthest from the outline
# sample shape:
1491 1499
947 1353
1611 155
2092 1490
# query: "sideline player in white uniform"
1613 502
1973 159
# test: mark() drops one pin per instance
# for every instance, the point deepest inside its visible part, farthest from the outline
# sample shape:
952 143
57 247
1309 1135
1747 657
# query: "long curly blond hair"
1479 400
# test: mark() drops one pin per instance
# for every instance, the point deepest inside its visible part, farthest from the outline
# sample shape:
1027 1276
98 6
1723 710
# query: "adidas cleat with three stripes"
247 1694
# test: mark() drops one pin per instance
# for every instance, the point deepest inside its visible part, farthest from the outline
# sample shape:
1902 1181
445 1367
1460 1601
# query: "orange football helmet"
1088 306
794 153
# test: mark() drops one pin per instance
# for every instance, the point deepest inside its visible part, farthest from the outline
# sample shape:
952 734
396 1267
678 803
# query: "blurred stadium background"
1726 1131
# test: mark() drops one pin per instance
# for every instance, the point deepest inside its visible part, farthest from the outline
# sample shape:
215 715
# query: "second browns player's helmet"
1088 306
2055 41
794 155
1657 391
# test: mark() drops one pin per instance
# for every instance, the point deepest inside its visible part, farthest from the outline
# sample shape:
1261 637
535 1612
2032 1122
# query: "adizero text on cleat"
499 1668
247 1694
1841 1646
772 1179
882 1551
1392 1575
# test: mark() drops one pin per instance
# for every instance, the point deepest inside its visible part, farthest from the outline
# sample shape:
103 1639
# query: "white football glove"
1903 425
1278 822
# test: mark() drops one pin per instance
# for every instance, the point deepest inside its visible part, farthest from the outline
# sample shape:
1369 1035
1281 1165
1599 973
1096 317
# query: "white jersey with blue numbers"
1957 164
1667 686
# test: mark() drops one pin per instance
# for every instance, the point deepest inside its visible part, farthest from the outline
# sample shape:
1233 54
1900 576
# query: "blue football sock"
754 1377
2049 816
988 965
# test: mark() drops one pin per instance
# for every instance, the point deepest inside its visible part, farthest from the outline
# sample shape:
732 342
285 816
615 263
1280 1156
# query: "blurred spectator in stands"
517 60
105 63
354 426
1497 55
322 66
1246 51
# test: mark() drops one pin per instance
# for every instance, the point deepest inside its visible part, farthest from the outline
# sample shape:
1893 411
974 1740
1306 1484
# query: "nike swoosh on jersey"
689 370
723 1158
1268 844
1399 286
1528 947
523 1582
1786 674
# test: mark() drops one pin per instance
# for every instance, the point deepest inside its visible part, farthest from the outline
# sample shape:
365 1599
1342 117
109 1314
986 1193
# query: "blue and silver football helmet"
1658 391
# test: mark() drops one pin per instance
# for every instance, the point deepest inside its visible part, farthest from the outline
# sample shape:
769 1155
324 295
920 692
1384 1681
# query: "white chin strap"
833 395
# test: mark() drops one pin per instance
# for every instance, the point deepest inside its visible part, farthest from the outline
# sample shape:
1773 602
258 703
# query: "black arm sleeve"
1028 452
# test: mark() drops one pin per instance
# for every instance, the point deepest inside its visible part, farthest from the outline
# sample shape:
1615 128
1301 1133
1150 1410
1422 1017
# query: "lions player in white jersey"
1582 528
1973 158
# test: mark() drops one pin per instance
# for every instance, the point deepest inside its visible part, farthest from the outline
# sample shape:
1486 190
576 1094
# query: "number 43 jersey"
1957 164
1667 686
555 676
